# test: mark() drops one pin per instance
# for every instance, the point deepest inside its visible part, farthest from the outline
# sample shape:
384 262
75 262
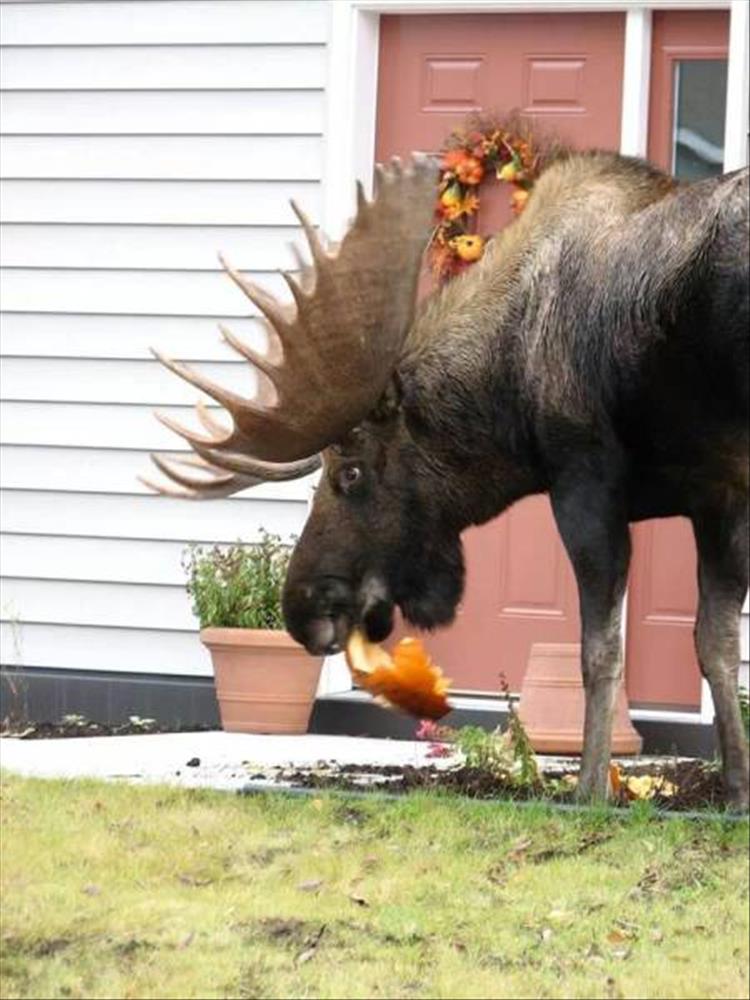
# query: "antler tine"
306 271
228 399
300 297
316 247
191 461
378 179
195 494
340 340
208 421
255 468
362 203
215 459
276 314
254 357
218 481
190 436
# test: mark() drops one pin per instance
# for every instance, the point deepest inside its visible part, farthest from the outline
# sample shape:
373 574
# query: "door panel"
662 598
564 72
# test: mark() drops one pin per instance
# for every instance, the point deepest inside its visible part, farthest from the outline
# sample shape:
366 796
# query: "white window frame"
352 91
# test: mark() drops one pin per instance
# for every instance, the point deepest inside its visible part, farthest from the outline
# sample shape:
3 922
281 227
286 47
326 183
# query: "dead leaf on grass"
311 947
617 936
627 928
310 885
518 850
193 880
497 875
621 953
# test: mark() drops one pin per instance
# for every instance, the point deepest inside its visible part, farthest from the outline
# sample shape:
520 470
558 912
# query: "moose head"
380 531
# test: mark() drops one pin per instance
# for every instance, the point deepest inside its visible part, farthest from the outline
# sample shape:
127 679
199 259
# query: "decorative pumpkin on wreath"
484 150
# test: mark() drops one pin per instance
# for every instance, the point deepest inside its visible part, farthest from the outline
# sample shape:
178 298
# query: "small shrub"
506 754
238 586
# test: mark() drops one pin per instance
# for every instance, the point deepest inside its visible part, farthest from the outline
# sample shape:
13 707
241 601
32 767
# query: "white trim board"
482 703
526 6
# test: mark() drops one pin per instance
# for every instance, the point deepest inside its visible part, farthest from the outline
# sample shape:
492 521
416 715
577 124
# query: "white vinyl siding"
139 139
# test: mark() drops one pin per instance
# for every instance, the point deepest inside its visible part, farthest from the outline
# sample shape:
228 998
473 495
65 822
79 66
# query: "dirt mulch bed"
78 728
678 786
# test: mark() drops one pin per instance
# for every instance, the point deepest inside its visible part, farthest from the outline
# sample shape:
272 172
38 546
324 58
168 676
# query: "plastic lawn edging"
613 812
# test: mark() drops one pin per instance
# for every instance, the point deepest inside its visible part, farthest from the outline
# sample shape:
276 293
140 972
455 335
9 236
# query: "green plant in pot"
265 681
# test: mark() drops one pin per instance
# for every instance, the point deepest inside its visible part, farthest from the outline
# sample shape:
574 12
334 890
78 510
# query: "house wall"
138 139
139 136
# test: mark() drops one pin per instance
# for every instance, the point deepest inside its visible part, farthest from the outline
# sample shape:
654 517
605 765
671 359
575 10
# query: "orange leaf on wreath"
469 171
408 679
518 200
453 204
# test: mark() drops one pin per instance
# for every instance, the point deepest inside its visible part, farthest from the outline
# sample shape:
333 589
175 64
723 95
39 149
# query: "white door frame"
353 51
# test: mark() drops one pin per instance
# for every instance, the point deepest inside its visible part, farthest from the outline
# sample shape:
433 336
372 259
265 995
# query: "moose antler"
339 342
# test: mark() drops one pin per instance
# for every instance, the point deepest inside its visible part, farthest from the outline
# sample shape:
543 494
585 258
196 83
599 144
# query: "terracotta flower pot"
265 681
552 705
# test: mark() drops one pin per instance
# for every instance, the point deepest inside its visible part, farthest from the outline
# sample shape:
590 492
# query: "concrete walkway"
209 760
224 761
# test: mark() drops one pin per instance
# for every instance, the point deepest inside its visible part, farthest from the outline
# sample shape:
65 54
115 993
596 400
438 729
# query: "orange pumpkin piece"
408 679
615 779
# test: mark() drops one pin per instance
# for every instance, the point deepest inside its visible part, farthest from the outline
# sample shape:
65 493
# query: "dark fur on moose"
598 353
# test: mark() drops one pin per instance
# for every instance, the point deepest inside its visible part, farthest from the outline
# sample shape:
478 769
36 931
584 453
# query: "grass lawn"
120 891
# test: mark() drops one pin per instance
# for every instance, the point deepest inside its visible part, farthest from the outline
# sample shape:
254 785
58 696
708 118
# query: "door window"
700 93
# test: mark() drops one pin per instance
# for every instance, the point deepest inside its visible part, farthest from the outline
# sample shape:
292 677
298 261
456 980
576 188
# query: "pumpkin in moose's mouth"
408 679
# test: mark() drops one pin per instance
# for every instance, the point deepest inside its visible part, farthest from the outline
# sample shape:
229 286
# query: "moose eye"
349 477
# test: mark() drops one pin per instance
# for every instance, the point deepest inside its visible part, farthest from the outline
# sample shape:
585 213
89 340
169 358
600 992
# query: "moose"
598 352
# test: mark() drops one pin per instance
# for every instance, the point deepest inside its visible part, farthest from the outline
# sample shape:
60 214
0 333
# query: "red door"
564 71
686 118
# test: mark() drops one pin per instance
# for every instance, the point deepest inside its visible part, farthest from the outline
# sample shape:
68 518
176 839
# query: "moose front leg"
722 540
591 518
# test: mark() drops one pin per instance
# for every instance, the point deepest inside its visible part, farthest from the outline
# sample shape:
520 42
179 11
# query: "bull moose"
598 353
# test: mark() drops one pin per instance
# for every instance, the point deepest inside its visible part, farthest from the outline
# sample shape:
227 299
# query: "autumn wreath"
481 151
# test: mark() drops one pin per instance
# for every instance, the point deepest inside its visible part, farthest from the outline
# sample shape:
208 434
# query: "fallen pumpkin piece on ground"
646 786
408 679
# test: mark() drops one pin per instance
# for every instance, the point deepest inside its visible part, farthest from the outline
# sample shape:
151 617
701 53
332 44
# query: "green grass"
117 891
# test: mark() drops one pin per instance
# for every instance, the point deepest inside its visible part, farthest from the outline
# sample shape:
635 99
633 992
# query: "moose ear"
390 402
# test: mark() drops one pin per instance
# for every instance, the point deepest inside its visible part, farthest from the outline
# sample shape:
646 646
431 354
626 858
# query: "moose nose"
319 614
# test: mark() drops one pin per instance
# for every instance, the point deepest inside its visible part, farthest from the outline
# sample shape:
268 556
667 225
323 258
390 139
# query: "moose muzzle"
320 613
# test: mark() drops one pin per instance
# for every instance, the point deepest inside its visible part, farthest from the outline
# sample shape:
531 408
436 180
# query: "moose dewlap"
408 679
